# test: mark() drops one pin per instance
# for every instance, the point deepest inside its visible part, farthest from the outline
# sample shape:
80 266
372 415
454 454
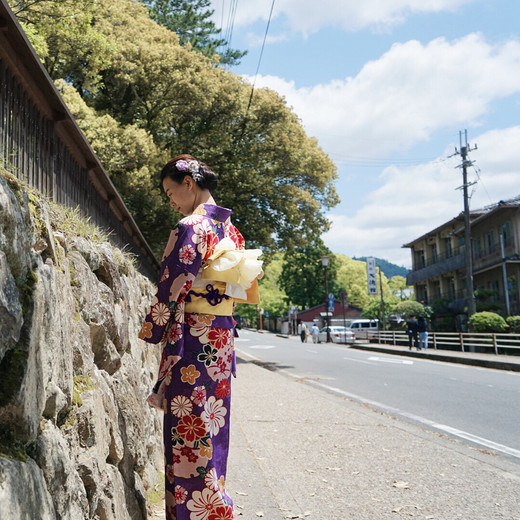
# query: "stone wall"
77 439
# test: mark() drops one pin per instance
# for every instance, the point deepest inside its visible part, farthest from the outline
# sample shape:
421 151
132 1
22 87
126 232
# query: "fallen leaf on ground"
400 484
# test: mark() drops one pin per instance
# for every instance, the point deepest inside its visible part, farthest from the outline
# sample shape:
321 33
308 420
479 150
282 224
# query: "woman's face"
182 196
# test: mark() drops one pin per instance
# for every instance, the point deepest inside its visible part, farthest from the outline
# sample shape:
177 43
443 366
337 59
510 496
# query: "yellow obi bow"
239 268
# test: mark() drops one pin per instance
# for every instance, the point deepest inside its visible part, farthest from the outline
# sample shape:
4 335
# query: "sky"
386 86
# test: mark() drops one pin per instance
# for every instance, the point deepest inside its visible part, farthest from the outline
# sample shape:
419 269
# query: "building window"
490 242
447 247
494 290
512 287
433 252
419 259
422 294
477 248
451 287
436 290
507 232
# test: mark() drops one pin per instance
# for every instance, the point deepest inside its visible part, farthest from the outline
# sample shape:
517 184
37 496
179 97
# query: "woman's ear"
189 182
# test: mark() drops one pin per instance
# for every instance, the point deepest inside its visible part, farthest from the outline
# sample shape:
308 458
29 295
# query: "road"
478 405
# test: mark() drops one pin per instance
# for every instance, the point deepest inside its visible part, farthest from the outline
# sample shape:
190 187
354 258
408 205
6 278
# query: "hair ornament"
193 167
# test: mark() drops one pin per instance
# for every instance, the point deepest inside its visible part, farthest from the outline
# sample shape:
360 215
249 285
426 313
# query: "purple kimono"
191 318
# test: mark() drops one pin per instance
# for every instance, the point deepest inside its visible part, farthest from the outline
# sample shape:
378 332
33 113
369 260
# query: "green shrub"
487 322
514 323
409 308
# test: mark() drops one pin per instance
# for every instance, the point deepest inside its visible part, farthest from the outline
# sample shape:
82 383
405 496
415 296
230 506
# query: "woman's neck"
204 197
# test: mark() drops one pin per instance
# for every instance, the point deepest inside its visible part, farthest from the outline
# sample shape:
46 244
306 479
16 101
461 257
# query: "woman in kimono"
204 271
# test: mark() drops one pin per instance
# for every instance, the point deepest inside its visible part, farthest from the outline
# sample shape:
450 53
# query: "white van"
362 328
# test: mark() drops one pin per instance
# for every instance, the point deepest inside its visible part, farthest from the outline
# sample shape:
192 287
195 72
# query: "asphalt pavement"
299 452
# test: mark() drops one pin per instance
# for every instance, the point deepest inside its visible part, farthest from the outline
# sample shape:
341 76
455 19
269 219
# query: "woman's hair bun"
186 165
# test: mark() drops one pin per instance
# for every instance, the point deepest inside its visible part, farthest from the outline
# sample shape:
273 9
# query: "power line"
260 57
231 22
368 162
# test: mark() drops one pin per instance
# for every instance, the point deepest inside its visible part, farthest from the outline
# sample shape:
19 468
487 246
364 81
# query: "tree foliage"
487 322
129 156
191 21
303 275
124 65
399 288
65 35
411 308
273 298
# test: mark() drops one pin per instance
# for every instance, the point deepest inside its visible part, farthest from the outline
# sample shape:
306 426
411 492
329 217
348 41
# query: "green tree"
352 276
411 308
130 157
273 298
373 310
277 179
65 35
397 285
191 21
514 323
302 276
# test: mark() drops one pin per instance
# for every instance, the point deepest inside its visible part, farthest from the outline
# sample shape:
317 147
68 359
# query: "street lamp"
325 264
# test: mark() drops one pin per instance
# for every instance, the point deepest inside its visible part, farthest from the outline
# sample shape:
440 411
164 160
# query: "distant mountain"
386 267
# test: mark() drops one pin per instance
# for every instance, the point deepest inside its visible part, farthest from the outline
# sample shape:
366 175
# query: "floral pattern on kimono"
194 381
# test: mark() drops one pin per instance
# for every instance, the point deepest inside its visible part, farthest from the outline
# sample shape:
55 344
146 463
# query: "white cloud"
400 100
412 201
404 96
309 16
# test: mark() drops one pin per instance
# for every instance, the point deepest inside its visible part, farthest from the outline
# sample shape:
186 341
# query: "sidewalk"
298 452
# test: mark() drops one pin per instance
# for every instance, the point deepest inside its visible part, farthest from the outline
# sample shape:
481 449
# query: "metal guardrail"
489 343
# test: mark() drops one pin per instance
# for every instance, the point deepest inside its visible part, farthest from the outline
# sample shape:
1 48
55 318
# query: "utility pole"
470 293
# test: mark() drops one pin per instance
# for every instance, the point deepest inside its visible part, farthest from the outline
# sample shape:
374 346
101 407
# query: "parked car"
364 329
338 334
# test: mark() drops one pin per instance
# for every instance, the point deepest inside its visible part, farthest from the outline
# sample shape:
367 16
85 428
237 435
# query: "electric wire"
231 22
260 59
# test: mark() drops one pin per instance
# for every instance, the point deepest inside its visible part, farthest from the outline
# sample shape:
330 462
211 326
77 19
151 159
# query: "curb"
498 364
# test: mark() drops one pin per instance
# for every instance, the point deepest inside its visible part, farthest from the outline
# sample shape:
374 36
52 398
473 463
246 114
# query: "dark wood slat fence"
41 140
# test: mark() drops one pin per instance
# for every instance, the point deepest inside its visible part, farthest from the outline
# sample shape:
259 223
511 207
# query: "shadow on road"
269 365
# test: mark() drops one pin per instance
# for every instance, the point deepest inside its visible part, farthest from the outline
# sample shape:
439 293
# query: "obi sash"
228 276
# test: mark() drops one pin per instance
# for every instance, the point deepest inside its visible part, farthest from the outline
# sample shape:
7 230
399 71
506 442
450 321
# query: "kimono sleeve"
181 262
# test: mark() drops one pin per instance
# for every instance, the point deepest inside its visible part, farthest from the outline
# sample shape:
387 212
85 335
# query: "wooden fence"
40 139
458 341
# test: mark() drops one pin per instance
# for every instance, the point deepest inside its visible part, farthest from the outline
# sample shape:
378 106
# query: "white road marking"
388 360
262 347
242 339
359 361
432 424
311 351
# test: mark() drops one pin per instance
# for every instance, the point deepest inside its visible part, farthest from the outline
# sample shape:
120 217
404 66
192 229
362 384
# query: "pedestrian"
315 330
411 330
303 333
422 330
191 317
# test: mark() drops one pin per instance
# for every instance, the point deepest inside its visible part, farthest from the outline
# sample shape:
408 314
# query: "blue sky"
386 86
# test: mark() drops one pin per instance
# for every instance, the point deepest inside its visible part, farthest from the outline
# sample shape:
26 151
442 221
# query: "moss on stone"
10 446
25 287
82 383
155 496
